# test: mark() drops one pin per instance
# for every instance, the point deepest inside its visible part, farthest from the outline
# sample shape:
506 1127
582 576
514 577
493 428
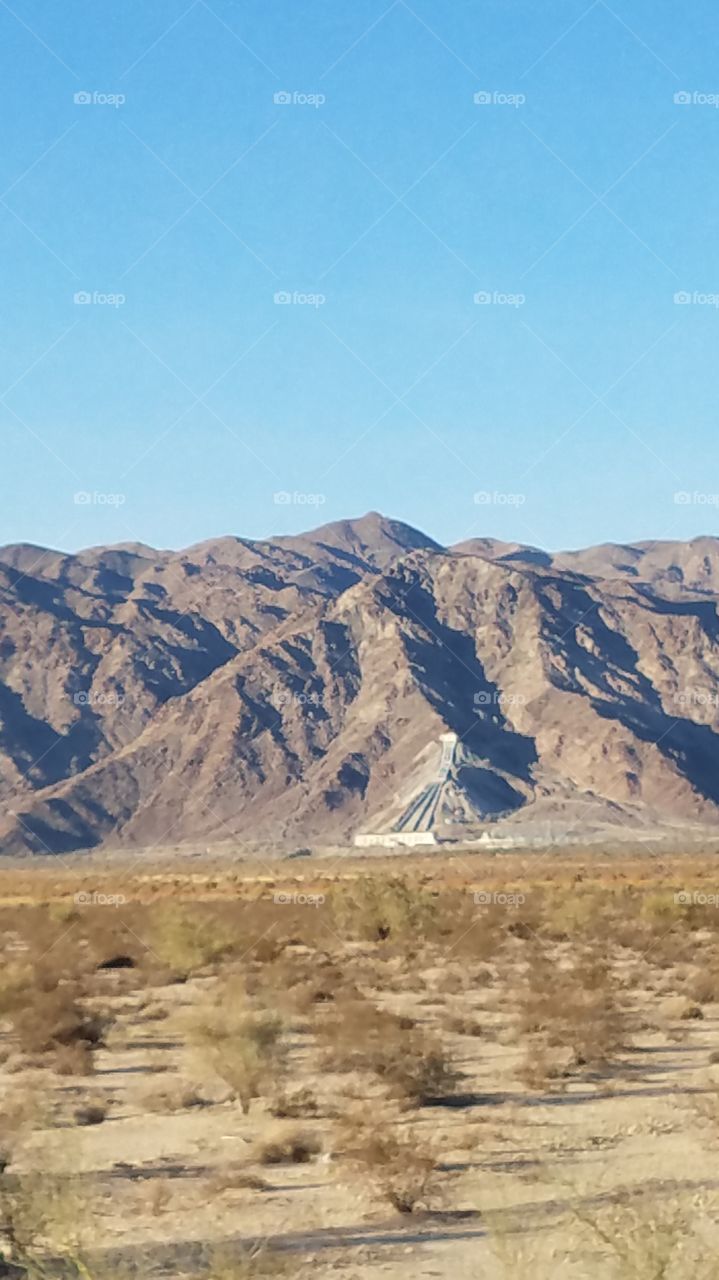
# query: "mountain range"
293 689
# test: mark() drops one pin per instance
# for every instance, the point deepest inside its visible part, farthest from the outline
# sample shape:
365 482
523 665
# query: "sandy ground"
519 1168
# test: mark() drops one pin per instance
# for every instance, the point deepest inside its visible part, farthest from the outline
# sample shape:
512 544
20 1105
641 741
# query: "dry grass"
318 1021
261 1262
290 1146
395 1162
387 908
295 1106
243 1046
55 1021
188 939
360 1036
573 1008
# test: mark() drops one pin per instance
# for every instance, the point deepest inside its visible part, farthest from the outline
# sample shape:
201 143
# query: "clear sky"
184 401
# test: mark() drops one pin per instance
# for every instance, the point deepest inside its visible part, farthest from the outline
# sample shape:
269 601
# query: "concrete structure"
422 813
394 839
415 826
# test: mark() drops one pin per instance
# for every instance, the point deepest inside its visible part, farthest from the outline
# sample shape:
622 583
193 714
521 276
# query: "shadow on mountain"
61 830
527 555
206 651
37 750
489 793
455 683
692 748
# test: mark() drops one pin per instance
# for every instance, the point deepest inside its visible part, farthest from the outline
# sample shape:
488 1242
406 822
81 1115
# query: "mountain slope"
294 689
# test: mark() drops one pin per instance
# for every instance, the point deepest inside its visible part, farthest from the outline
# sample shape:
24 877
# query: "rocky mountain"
293 689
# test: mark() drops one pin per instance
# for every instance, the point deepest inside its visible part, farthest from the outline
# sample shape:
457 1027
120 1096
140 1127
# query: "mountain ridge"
293 687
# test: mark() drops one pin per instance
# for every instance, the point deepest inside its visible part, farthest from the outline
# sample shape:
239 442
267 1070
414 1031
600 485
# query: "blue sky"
184 401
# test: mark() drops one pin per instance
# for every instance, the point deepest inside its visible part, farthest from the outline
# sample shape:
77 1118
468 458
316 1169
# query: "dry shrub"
54 1021
395 1161
185 939
267 948
572 1007
587 914
294 1147
260 1262
451 982
381 907
169 1099
293 1106
41 1214
90 1113
478 931
464 1025
22 1110
706 1105
152 1011
643 1239
361 1036
352 1028
244 1046
298 983
539 1068
703 988
17 978
158 1196
416 1069
75 1059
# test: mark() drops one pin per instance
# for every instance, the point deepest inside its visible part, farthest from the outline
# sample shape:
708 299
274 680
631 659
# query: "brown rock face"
294 689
